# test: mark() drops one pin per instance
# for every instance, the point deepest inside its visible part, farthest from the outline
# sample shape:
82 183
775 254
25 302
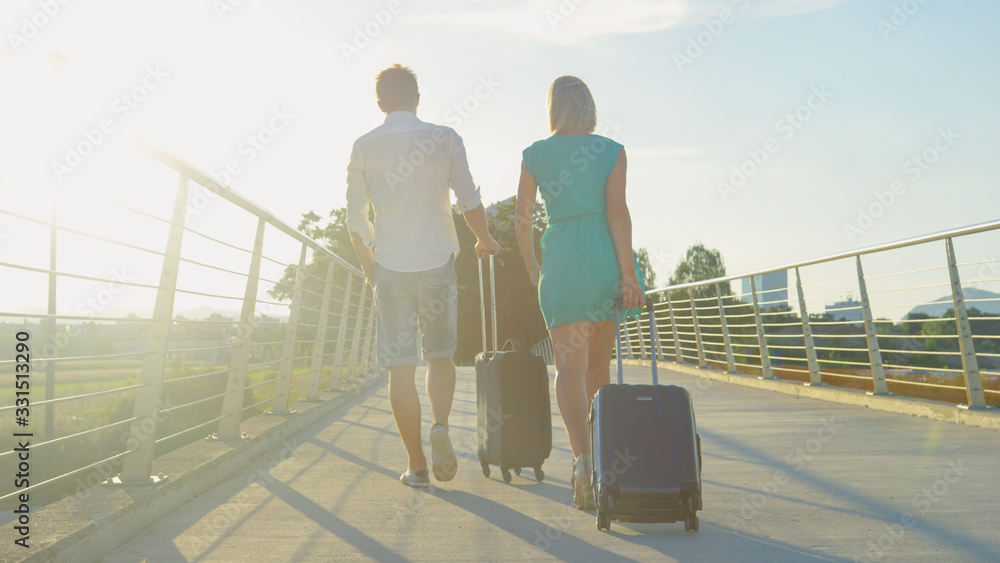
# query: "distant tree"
648 275
699 264
915 328
518 315
335 237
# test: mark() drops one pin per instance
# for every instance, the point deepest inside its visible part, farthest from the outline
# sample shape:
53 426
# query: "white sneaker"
415 478
444 464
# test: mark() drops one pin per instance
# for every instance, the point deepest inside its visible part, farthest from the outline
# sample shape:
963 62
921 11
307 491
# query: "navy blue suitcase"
646 451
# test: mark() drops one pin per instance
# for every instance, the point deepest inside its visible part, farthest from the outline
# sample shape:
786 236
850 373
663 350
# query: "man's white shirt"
405 168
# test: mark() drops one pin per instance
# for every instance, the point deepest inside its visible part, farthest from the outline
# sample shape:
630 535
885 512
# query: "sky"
772 130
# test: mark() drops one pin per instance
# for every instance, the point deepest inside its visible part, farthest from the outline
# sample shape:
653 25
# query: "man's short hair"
396 86
571 107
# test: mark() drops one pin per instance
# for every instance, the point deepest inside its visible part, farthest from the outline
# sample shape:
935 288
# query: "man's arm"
365 255
358 202
469 203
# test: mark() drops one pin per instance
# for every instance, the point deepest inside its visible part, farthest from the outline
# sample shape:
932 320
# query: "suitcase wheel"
604 522
517 471
506 474
694 502
539 474
486 470
690 523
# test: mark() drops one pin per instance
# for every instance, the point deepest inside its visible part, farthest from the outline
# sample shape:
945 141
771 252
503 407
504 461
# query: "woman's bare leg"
601 346
570 348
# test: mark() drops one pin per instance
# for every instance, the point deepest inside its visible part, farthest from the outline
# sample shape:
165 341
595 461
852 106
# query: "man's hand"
367 267
366 257
486 247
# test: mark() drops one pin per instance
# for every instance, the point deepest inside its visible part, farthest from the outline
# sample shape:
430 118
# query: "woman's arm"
527 189
620 223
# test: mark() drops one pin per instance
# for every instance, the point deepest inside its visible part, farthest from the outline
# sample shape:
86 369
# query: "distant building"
847 310
772 289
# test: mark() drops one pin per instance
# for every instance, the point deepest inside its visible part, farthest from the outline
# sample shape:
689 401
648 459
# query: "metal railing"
178 379
543 349
755 332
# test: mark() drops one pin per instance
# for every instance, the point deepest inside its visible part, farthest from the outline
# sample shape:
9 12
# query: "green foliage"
699 264
518 314
642 259
336 238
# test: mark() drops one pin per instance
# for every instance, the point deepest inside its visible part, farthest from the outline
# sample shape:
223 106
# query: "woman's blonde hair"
571 107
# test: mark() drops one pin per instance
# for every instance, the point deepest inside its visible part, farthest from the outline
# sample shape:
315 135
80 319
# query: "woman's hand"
632 295
534 274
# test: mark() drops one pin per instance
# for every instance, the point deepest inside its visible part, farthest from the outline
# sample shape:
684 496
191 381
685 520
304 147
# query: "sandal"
583 492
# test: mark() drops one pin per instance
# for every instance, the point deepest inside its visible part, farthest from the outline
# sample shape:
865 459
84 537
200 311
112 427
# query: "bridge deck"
785 479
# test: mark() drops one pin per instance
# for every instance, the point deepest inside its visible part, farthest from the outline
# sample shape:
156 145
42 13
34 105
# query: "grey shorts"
415 307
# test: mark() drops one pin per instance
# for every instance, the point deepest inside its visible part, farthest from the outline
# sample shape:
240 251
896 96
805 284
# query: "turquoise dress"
580 277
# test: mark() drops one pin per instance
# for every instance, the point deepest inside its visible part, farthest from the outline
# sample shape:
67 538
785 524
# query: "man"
404 169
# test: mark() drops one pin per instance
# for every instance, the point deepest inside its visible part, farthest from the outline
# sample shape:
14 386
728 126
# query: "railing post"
658 345
352 370
642 340
702 363
316 367
765 358
287 364
50 325
338 359
730 358
232 403
628 339
874 354
678 357
50 330
970 364
815 378
369 332
373 344
138 464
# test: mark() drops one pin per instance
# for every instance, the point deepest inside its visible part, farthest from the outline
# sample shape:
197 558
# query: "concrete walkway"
785 479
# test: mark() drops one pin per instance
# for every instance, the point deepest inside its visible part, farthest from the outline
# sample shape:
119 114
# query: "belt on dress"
571 217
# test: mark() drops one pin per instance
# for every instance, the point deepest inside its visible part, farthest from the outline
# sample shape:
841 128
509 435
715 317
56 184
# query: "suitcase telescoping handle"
653 337
493 304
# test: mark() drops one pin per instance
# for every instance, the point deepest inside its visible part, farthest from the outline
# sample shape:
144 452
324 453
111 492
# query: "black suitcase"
512 389
646 451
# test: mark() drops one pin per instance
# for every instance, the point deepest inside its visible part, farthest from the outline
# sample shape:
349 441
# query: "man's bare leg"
441 391
441 388
406 412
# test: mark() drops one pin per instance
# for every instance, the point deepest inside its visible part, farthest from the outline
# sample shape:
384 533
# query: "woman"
587 257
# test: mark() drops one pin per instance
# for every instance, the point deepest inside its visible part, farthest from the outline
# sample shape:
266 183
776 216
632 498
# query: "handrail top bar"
207 181
961 231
